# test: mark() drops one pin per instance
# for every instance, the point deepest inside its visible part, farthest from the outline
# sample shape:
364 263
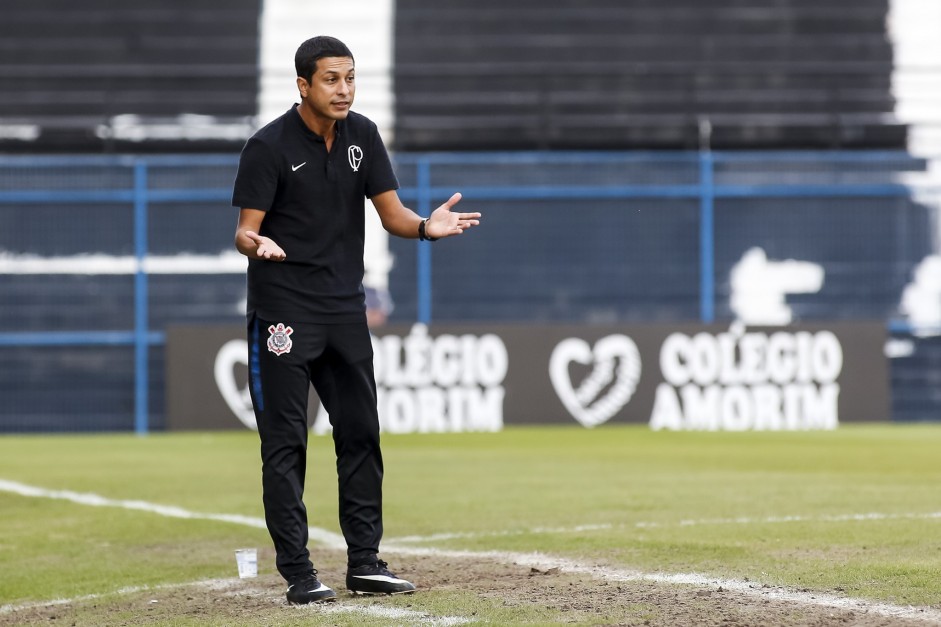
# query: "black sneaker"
306 588
375 578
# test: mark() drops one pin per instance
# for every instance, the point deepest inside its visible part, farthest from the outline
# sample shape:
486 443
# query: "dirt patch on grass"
499 592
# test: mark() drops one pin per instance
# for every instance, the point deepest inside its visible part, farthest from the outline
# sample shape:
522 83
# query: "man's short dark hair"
305 59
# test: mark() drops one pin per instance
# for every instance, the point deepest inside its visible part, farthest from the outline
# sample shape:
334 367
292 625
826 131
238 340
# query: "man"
300 187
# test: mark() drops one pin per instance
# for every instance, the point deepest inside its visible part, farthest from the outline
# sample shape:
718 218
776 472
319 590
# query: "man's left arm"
401 221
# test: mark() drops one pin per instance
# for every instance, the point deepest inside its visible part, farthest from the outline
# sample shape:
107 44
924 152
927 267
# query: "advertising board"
470 377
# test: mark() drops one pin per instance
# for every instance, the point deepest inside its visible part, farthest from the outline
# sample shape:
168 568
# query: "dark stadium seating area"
610 74
477 74
70 67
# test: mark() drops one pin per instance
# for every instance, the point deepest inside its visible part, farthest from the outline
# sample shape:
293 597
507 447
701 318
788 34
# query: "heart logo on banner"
616 367
232 353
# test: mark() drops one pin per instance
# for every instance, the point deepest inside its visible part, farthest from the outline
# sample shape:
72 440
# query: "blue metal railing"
140 196
424 196
141 413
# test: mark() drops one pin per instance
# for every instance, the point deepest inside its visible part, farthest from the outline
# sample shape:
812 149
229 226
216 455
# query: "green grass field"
855 512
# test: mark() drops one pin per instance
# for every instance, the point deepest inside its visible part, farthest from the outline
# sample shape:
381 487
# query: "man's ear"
302 86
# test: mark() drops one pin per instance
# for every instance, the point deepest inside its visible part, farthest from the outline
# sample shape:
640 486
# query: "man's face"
329 94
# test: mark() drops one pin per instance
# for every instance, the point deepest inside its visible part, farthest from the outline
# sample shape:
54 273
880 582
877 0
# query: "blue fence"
559 231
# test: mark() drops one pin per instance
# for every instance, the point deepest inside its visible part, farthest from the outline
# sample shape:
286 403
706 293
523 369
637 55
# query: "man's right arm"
250 243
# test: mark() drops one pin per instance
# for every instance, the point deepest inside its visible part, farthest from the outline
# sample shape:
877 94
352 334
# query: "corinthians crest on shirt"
279 342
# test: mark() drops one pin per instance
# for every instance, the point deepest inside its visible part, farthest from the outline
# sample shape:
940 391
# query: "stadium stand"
170 76
173 76
111 76
473 74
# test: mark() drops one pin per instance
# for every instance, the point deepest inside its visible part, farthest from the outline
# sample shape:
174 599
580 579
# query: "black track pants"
337 360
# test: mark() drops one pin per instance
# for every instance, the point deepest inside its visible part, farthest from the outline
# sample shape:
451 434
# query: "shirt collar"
338 127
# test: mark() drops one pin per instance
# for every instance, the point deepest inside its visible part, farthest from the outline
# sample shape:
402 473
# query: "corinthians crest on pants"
279 342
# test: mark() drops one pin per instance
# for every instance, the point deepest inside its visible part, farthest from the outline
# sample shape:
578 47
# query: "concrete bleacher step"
689 101
67 70
601 68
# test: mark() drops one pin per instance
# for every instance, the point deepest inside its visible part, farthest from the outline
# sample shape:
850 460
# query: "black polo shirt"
315 204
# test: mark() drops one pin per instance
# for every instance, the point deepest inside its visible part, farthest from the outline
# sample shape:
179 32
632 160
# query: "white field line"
744 520
10 608
753 589
322 536
393 613
541 561
374 611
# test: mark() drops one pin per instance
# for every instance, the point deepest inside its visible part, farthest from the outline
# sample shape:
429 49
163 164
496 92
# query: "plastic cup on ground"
247 560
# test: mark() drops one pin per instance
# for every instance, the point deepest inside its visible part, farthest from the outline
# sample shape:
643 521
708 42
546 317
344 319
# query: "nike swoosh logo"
295 168
384 578
321 588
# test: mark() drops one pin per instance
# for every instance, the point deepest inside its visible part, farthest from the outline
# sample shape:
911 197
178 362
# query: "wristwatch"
421 232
